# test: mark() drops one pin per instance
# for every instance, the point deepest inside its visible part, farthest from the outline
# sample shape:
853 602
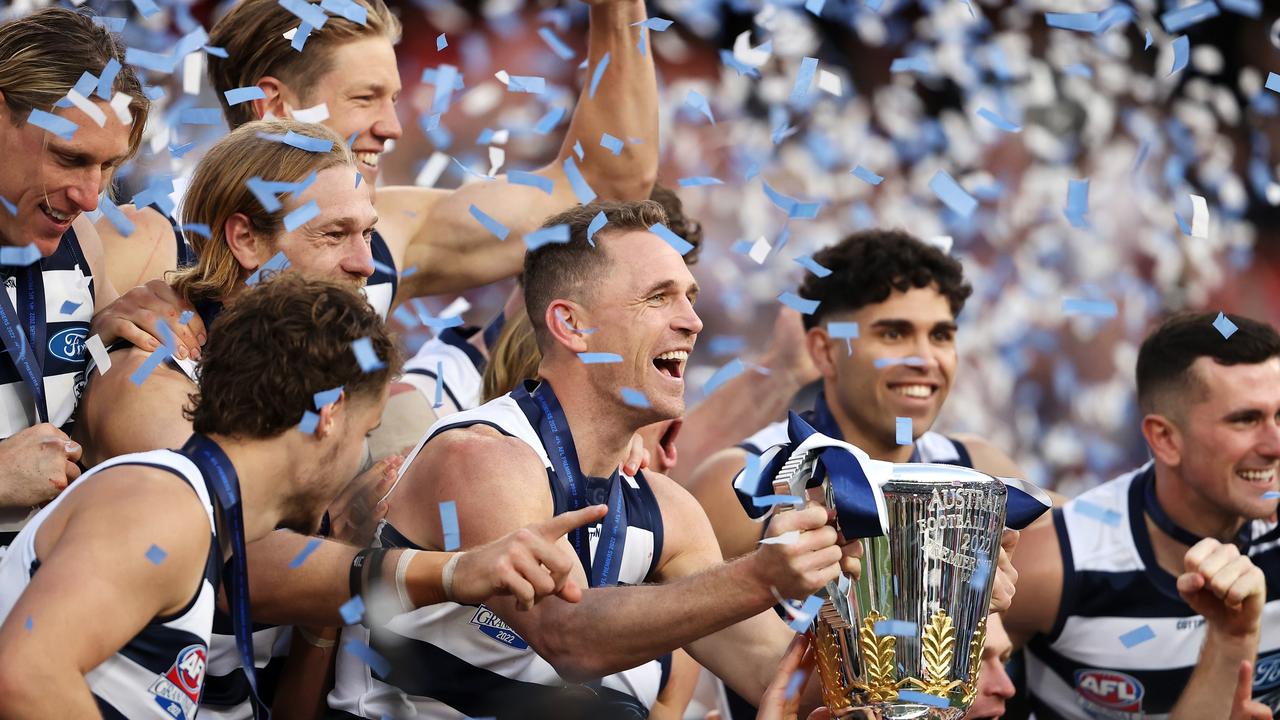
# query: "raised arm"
451 251
1036 605
96 587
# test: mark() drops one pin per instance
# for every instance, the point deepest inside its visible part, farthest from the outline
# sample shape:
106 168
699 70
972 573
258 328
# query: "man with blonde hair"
348 66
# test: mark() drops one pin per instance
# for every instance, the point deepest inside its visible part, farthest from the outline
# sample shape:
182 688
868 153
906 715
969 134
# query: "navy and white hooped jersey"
461 368
453 661
68 310
380 289
160 672
1124 643
930 447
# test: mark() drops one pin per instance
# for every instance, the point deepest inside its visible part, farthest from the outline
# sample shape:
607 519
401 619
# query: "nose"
687 319
387 126
1001 686
1269 443
84 193
360 260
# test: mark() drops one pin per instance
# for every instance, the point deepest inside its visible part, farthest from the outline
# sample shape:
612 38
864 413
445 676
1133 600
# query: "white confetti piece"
1199 218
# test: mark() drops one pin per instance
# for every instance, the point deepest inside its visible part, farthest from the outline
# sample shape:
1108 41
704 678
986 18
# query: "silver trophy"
905 639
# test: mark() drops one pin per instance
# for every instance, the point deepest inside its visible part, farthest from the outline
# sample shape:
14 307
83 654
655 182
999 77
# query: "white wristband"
446 577
402 568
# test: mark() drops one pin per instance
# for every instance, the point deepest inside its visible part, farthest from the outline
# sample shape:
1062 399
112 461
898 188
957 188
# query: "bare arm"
118 417
1039 565
96 544
712 485
452 251
676 694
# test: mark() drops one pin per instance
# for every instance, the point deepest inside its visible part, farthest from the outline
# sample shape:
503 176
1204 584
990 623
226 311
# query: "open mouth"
671 363
56 217
1258 477
917 391
369 158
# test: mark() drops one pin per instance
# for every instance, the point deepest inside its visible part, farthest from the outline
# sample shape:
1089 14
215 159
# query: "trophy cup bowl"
904 640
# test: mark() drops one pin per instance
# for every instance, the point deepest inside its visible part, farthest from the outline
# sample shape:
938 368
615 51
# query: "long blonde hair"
513 359
219 189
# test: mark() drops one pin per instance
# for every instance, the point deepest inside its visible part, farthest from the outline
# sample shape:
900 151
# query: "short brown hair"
278 344
42 56
679 223
252 34
567 270
219 190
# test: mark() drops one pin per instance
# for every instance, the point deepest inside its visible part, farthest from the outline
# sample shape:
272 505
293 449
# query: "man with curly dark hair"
883 337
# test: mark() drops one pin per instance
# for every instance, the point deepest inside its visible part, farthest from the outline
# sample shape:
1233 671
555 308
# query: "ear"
329 417
244 244
823 351
1164 439
565 320
279 99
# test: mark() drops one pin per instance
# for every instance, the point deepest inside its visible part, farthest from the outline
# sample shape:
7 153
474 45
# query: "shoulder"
148 225
402 210
476 459
987 457
142 502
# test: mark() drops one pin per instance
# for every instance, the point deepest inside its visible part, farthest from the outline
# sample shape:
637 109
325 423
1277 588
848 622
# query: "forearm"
307 675
37 693
625 105
613 629
746 655
1209 692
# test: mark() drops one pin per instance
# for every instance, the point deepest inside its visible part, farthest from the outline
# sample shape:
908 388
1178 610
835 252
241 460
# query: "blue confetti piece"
1106 516
1137 636
557 45
577 149
1273 82
728 60
277 263
799 304
806 614
699 181
681 245
804 81
309 422
599 73
1271 495
8 206
792 207
1083 21
490 224
438 401
999 122
1078 203
727 372
368 656
1181 53
185 317
547 236
153 93
771 500
654 23
368 359
1148 41
922 698
110 24
216 51
146 8
352 610
696 101
1224 326
902 431
85 87
200 116
244 94
1078 69
449 525
1251 8
303 554
300 37
866 175
581 189
917 64
305 11
327 397
156 555
912 361
808 263
794 683
115 215
441 42
177 151
598 358
1091 308
153 361
611 143
445 76
68 307
28 624
847 331
634 398
308 143
301 216
549 121
815 6
19 255
952 195
55 124
1183 18
896 627
597 222
531 84
149 60
352 11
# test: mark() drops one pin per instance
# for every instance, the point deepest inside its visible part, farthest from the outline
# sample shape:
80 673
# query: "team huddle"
228 489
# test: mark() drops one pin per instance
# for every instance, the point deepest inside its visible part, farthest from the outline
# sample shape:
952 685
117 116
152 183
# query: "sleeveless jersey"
380 289
455 661
461 365
67 282
159 673
1124 643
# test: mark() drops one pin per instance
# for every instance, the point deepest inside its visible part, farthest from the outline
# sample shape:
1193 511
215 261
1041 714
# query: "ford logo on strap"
68 344
1267 674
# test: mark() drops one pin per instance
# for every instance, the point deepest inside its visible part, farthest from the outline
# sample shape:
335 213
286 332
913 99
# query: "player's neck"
261 467
601 434
877 449
1193 512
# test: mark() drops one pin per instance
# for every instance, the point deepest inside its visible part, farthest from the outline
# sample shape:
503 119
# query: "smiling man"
350 68
1160 572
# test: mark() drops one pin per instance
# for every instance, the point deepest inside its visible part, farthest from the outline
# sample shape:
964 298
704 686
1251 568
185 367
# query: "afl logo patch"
1109 689
178 690
68 344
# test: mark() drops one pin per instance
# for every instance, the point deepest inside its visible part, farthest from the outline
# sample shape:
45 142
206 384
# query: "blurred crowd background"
897 89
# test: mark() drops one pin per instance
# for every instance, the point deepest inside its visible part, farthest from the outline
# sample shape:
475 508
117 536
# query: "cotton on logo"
1109 689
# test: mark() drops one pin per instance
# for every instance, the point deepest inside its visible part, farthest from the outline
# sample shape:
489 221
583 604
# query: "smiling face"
644 312
51 180
1229 444
902 365
361 90
335 244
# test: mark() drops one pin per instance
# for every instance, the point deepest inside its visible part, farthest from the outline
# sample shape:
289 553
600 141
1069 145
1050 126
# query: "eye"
892 334
942 335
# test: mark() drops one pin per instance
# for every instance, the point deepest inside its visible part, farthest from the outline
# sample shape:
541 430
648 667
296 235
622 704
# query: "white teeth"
915 391
367 158
1256 475
55 214
680 355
